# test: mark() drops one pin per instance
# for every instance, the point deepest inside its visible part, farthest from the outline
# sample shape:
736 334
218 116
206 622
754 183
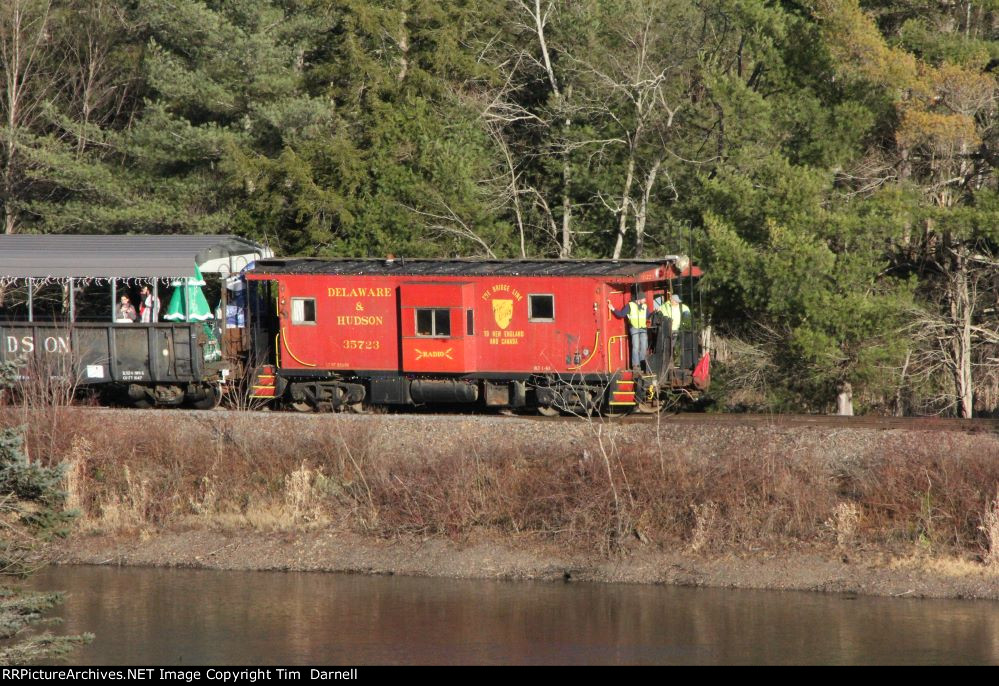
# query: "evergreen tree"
935 68
32 511
835 159
402 164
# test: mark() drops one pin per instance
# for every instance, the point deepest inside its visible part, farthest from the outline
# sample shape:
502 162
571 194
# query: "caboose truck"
339 333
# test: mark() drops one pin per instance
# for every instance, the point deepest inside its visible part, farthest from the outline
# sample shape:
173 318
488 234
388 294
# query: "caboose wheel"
213 396
548 411
301 406
357 408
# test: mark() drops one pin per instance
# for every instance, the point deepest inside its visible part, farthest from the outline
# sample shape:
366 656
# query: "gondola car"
59 317
510 334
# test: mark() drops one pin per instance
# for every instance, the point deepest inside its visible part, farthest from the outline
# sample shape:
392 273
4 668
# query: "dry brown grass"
843 524
990 528
710 490
707 525
953 566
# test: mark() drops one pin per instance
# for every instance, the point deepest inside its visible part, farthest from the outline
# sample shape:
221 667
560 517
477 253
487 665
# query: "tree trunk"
8 191
641 215
403 48
844 400
497 135
540 19
961 311
899 409
566 248
9 218
622 223
24 32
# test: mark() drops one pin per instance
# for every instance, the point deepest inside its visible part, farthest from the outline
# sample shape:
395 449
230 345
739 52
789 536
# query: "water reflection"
191 617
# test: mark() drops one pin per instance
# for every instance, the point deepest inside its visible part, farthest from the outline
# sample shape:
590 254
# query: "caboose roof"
628 269
63 256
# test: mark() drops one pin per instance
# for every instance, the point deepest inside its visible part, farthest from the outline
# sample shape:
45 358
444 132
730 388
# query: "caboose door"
437 327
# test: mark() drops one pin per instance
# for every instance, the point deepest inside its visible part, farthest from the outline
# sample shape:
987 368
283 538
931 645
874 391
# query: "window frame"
304 322
433 321
530 308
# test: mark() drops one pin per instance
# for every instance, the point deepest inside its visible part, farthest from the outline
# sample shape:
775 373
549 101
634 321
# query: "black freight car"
61 313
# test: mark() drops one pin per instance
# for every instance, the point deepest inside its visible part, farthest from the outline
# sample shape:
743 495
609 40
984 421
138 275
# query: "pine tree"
32 511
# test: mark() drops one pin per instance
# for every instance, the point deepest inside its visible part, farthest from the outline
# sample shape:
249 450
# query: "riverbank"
845 509
823 571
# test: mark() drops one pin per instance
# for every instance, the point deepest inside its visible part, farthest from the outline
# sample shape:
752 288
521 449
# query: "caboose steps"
264 383
623 391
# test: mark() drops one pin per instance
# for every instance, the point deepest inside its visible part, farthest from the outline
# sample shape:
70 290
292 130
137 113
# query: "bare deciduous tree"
637 78
27 80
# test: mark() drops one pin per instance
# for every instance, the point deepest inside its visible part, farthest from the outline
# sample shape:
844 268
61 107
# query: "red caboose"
334 333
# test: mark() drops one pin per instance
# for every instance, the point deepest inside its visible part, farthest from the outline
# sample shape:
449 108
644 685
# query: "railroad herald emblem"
502 312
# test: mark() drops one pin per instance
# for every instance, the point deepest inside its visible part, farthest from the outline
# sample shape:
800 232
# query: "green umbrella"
188 303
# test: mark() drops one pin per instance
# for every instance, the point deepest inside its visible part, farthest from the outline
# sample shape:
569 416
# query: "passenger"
126 311
149 306
636 311
235 309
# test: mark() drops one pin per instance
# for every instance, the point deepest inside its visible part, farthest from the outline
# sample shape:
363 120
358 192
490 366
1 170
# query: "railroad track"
798 421
826 421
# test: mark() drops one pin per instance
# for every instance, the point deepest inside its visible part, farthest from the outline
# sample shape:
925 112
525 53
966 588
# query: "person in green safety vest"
676 313
636 312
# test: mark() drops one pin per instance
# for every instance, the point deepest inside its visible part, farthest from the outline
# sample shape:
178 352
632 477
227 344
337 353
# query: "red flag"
702 372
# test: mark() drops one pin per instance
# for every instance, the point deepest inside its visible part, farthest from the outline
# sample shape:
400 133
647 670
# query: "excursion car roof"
65 256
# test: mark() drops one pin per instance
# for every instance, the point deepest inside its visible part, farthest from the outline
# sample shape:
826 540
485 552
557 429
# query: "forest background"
831 163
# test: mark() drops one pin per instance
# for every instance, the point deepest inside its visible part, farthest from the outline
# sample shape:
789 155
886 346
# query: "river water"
200 617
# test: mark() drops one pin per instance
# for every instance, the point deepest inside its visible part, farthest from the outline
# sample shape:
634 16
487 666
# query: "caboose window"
303 310
433 322
541 308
